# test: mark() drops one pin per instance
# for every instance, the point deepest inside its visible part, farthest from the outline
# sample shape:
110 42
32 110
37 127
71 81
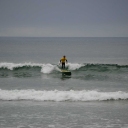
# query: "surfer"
62 61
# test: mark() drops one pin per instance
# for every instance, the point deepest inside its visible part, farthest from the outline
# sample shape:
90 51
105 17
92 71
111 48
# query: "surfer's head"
64 56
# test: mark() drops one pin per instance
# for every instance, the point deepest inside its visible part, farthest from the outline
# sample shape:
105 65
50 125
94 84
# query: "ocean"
35 94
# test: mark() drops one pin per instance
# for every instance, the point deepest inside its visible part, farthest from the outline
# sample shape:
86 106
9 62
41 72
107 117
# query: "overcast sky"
64 18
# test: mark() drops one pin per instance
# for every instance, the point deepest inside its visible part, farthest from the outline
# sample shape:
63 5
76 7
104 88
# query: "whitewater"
56 95
88 72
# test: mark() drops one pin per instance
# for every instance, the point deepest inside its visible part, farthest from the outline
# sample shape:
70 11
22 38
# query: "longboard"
65 72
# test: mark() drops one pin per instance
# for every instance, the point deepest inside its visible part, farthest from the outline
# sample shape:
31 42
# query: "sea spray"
74 66
47 68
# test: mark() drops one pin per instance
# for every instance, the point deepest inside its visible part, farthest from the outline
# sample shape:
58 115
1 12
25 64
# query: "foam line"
56 95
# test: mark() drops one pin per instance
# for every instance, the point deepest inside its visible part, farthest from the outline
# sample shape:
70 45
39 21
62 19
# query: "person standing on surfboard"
62 61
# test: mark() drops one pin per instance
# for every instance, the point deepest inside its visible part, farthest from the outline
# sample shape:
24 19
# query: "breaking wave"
56 95
49 68
44 68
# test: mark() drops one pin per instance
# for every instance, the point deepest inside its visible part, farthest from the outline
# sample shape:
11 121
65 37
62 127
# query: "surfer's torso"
63 60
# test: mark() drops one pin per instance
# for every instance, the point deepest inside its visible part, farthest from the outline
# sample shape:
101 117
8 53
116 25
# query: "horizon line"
67 36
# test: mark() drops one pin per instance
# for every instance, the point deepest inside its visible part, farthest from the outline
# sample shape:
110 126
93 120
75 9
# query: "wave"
56 95
44 68
84 71
48 68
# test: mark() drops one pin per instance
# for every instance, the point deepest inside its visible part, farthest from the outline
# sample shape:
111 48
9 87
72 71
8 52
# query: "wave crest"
49 68
56 95
45 68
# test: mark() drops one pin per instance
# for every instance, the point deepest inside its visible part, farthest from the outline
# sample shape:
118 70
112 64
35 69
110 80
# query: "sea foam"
56 95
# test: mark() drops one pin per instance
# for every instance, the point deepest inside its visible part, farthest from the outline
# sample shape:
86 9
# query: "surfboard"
65 72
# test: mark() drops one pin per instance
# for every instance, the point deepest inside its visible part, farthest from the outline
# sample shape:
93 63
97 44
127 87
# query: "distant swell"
56 95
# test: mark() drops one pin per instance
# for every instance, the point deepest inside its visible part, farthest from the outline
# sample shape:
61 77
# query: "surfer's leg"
63 65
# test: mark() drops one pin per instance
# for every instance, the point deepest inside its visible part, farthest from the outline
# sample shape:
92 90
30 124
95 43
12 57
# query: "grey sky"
64 18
